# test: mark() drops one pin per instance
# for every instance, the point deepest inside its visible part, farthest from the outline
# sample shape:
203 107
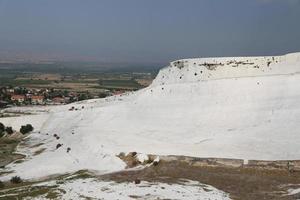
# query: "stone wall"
291 165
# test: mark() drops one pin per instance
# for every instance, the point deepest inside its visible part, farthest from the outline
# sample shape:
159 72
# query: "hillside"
242 107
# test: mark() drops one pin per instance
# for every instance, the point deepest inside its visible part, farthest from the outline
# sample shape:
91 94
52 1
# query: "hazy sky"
147 30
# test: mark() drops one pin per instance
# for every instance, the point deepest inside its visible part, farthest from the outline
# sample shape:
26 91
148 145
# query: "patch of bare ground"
242 183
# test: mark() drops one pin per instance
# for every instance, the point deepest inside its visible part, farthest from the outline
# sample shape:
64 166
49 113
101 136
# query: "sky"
146 31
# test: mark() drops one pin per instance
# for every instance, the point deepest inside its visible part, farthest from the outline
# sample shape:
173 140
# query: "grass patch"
19 161
119 84
7 148
82 174
29 192
39 151
37 145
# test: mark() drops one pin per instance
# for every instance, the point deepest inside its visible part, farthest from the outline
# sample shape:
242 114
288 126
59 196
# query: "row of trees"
8 129
4 130
13 180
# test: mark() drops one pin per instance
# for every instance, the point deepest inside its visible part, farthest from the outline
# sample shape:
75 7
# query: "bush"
102 95
133 154
2 127
16 180
137 181
155 163
9 130
58 145
26 129
2 184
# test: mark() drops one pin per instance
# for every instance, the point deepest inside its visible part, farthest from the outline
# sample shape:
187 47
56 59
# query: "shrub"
9 130
58 145
2 127
150 160
155 163
26 129
102 95
2 184
121 155
16 180
133 154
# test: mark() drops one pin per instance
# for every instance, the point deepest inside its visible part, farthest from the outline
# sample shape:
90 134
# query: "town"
19 96
46 85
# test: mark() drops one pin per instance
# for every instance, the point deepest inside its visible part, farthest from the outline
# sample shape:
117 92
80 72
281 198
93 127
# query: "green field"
78 77
119 84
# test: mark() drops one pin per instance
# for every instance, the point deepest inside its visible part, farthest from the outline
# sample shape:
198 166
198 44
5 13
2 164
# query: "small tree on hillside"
16 180
9 130
2 184
26 129
2 127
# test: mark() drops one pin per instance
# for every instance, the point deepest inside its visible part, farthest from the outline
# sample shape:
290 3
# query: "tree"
2 184
82 97
2 127
26 129
16 180
102 95
9 130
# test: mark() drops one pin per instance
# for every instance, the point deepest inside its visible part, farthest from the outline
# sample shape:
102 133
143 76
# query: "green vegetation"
25 74
20 82
2 128
119 84
9 130
16 180
7 148
29 190
26 129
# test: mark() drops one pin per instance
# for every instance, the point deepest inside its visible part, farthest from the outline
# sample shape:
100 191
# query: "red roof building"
58 100
19 98
37 99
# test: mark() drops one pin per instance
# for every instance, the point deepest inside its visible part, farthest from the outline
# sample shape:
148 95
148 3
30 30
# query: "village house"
18 98
118 92
58 100
37 99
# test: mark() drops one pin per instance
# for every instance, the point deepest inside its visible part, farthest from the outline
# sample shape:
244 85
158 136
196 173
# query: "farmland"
89 80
